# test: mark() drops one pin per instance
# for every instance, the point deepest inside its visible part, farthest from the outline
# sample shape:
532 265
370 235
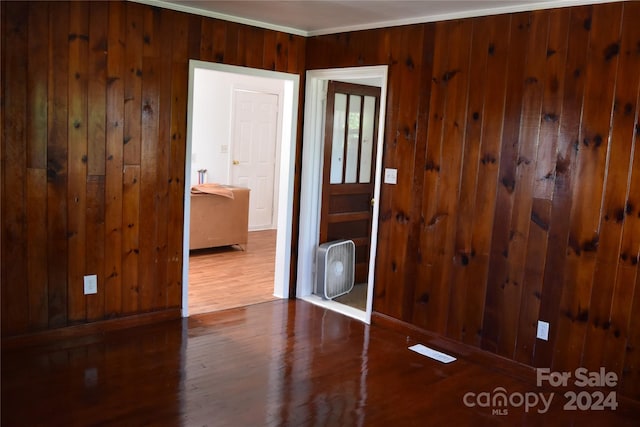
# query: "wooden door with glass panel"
351 130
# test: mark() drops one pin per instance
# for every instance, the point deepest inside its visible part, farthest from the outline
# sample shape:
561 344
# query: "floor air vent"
335 263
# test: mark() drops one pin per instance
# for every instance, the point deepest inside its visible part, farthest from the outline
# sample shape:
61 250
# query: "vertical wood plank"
423 89
114 161
269 51
130 238
195 32
456 325
282 52
95 247
96 167
231 43
401 127
206 40
534 77
625 310
609 309
590 164
38 63
494 107
544 175
219 40
57 245
132 81
97 92
163 160
553 284
37 263
149 161
498 278
37 88
179 82
252 42
455 82
420 292
77 158
15 298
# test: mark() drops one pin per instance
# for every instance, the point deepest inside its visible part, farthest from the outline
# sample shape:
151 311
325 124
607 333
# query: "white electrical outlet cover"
543 330
90 284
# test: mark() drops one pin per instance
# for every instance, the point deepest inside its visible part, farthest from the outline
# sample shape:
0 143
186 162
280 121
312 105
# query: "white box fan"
335 264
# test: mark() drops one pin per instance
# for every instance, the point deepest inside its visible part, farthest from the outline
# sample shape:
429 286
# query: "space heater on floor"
335 266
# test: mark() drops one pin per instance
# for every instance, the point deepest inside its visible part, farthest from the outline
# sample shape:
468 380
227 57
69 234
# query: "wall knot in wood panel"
488 159
509 183
430 166
596 141
409 63
611 51
435 219
582 315
83 37
536 219
449 75
402 218
424 298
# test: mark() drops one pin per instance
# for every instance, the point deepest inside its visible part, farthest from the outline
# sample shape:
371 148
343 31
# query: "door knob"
235 162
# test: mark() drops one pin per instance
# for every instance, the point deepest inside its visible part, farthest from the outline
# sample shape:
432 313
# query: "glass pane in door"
353 139
337 150
366 145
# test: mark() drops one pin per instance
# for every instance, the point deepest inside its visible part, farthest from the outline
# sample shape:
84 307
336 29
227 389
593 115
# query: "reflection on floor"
228 277
357 298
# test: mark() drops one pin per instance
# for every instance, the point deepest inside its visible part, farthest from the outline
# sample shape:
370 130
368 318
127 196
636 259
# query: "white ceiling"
317 17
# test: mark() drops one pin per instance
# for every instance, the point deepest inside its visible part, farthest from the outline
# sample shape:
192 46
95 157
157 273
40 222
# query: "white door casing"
284 176
311 180
253 146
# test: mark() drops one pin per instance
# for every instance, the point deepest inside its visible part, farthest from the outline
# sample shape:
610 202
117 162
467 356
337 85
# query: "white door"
254 137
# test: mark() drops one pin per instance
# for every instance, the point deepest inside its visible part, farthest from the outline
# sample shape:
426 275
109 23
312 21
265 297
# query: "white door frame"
286 174
311 186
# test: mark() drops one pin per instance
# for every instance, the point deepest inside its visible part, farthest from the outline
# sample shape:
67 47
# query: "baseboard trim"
87 330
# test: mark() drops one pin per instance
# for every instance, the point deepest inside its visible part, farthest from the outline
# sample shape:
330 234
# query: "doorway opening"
312 186
221 161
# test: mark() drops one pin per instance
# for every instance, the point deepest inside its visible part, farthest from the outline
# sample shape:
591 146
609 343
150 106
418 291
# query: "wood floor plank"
281 363
228 277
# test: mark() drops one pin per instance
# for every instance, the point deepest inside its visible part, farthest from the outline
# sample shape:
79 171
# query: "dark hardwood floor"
279 363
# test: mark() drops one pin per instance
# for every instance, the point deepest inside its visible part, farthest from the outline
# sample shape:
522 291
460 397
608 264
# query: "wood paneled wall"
518 195
94 108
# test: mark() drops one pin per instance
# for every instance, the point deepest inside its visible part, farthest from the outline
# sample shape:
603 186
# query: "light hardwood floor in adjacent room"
229 277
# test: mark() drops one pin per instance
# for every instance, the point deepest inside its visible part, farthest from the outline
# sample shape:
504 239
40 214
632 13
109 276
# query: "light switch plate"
543 330
390 176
